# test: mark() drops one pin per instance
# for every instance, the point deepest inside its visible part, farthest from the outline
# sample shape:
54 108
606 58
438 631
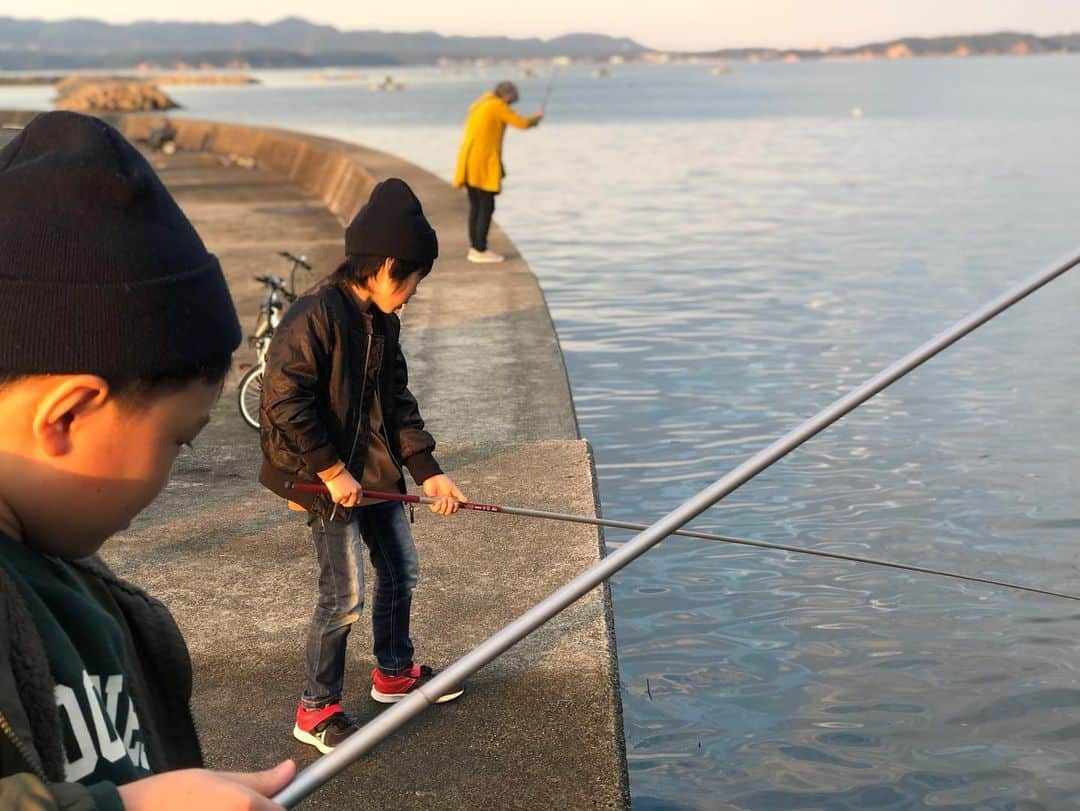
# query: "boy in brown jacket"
336 409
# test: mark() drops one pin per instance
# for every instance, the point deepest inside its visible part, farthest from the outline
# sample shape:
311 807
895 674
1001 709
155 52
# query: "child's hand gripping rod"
708 536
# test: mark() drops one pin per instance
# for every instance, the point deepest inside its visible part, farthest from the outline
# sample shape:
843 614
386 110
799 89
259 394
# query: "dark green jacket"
159 679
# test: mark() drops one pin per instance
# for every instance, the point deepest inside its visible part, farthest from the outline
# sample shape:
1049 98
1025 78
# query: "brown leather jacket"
329 357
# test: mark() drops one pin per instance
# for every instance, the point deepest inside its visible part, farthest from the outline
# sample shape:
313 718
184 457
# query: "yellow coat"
479 161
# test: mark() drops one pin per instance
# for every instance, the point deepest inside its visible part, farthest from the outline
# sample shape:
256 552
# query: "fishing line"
707 536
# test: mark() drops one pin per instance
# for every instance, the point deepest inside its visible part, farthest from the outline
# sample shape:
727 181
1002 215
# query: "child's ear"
74 397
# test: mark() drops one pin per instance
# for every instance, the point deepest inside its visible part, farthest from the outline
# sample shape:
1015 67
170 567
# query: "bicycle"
278 296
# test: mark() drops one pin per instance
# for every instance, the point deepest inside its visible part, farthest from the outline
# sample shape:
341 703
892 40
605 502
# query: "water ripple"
722 259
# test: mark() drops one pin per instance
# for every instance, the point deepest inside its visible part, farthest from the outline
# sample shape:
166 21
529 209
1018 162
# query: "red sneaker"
323 728
389 689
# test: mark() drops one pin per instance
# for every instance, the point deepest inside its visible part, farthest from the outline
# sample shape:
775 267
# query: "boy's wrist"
321 459
422 466
331 472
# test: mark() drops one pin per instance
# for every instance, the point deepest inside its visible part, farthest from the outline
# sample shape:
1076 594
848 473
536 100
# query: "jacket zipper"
17 742
390 449
360 407
360 417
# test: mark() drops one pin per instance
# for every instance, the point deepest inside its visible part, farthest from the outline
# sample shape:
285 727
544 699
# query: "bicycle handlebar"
300 260
273 281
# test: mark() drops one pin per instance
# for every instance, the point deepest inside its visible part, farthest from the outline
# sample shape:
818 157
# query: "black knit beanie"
392 223
100 271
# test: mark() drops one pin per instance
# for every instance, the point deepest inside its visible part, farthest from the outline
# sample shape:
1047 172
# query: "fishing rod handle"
322 489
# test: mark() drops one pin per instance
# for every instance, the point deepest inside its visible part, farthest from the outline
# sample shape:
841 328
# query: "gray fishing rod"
365 738
304 487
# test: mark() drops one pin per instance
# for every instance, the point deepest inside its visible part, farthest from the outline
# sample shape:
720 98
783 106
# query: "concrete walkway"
538 728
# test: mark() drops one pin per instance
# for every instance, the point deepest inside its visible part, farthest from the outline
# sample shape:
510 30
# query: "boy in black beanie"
336 409
117 332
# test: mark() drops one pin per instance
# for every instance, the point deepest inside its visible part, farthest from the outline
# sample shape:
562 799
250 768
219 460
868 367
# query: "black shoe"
324 728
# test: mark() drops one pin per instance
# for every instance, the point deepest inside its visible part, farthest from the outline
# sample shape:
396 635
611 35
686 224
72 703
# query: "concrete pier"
538 728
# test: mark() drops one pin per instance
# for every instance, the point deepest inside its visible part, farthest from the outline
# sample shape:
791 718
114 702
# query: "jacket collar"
359 304
360 307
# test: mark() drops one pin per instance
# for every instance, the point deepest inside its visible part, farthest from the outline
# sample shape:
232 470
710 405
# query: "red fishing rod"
322 489
708 536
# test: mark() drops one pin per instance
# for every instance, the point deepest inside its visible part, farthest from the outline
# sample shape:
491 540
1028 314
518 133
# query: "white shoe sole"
311 740
482 261
394 698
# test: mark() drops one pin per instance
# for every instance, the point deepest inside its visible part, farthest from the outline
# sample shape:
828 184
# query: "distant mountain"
294 42
1000 43
39 44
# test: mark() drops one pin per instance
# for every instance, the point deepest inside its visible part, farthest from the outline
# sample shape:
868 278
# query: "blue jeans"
385 531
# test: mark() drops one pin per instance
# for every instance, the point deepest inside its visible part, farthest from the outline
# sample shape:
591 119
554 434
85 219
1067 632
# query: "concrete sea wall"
540 726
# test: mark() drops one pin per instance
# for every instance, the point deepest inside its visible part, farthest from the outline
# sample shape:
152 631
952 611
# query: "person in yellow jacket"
479 165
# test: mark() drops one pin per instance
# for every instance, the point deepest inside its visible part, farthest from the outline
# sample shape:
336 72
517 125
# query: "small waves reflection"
724 259
739 300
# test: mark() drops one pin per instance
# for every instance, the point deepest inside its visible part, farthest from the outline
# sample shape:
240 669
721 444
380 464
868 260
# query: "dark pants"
385 531
481 207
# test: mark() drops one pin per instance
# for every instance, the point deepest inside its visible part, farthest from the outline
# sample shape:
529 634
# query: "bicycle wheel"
249 395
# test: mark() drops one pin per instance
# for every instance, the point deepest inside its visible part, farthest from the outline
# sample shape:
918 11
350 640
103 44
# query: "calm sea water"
725 255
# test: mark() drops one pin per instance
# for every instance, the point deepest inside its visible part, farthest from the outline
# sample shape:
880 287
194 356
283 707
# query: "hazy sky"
670 24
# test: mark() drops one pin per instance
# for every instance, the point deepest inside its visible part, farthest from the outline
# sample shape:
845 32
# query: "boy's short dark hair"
359 268
136 391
